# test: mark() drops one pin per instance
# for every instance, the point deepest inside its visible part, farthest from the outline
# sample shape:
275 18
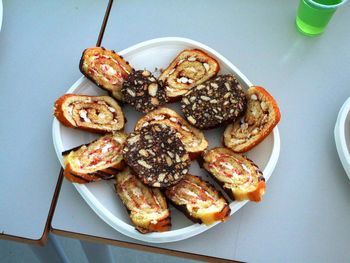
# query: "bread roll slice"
261 116
98 114
190 68
106 69
198 200
98 160
147 207
193 139
239 176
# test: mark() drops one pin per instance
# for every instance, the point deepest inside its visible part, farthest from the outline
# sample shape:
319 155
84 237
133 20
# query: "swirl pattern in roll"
106 69
198 200
98 114
98 160
261 116
147 207
190 68
239 176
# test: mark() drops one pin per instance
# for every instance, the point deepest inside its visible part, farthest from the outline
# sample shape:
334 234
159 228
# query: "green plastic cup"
313 15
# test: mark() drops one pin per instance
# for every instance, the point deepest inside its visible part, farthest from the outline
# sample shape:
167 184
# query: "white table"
40 42
305 213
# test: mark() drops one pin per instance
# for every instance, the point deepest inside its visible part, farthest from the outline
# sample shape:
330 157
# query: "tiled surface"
12 252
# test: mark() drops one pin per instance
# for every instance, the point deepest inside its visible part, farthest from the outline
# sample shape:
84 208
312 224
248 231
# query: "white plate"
342 136
101 197
1 14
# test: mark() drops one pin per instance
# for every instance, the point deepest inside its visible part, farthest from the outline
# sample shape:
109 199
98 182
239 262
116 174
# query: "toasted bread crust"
98 160
103 77
198 200
193 139
261 117
239 176
147 207
188 69
84 112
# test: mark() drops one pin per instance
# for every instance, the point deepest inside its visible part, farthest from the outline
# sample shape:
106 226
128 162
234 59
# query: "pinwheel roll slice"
198 200
190 68
147 207
142 91
98 114
240 177
193 139
106 69
214 102
157 155
99 160
261 116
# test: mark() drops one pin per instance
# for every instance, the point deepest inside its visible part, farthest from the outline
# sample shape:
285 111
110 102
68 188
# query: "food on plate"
193 139
240 177
147 207
106 69
98 114
261 116
98 160
198 200
157 155
142 91
190 68
214 102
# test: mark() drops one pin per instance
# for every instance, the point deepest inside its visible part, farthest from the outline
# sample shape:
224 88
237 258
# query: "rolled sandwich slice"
190 68
198 200
239 176
193 139
261 116
98 114
147 207
98 160
106 69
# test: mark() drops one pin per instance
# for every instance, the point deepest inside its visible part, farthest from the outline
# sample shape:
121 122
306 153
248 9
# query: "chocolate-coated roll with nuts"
142 91
193 139
157 155
214 102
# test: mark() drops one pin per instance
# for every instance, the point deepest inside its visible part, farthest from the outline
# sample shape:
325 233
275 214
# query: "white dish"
342 136
1 11
101 197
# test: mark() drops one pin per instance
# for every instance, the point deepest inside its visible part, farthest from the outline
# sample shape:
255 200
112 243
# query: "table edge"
44 237
141 247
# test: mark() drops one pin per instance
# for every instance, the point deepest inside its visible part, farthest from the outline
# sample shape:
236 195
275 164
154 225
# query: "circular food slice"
198 200
188 69
142 91
214 102
261 116
239 176
97 160
106 69
147 207
157 155
193 139
98 114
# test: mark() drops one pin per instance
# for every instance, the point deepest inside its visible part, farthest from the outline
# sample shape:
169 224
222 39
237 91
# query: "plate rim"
194 229
340 138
